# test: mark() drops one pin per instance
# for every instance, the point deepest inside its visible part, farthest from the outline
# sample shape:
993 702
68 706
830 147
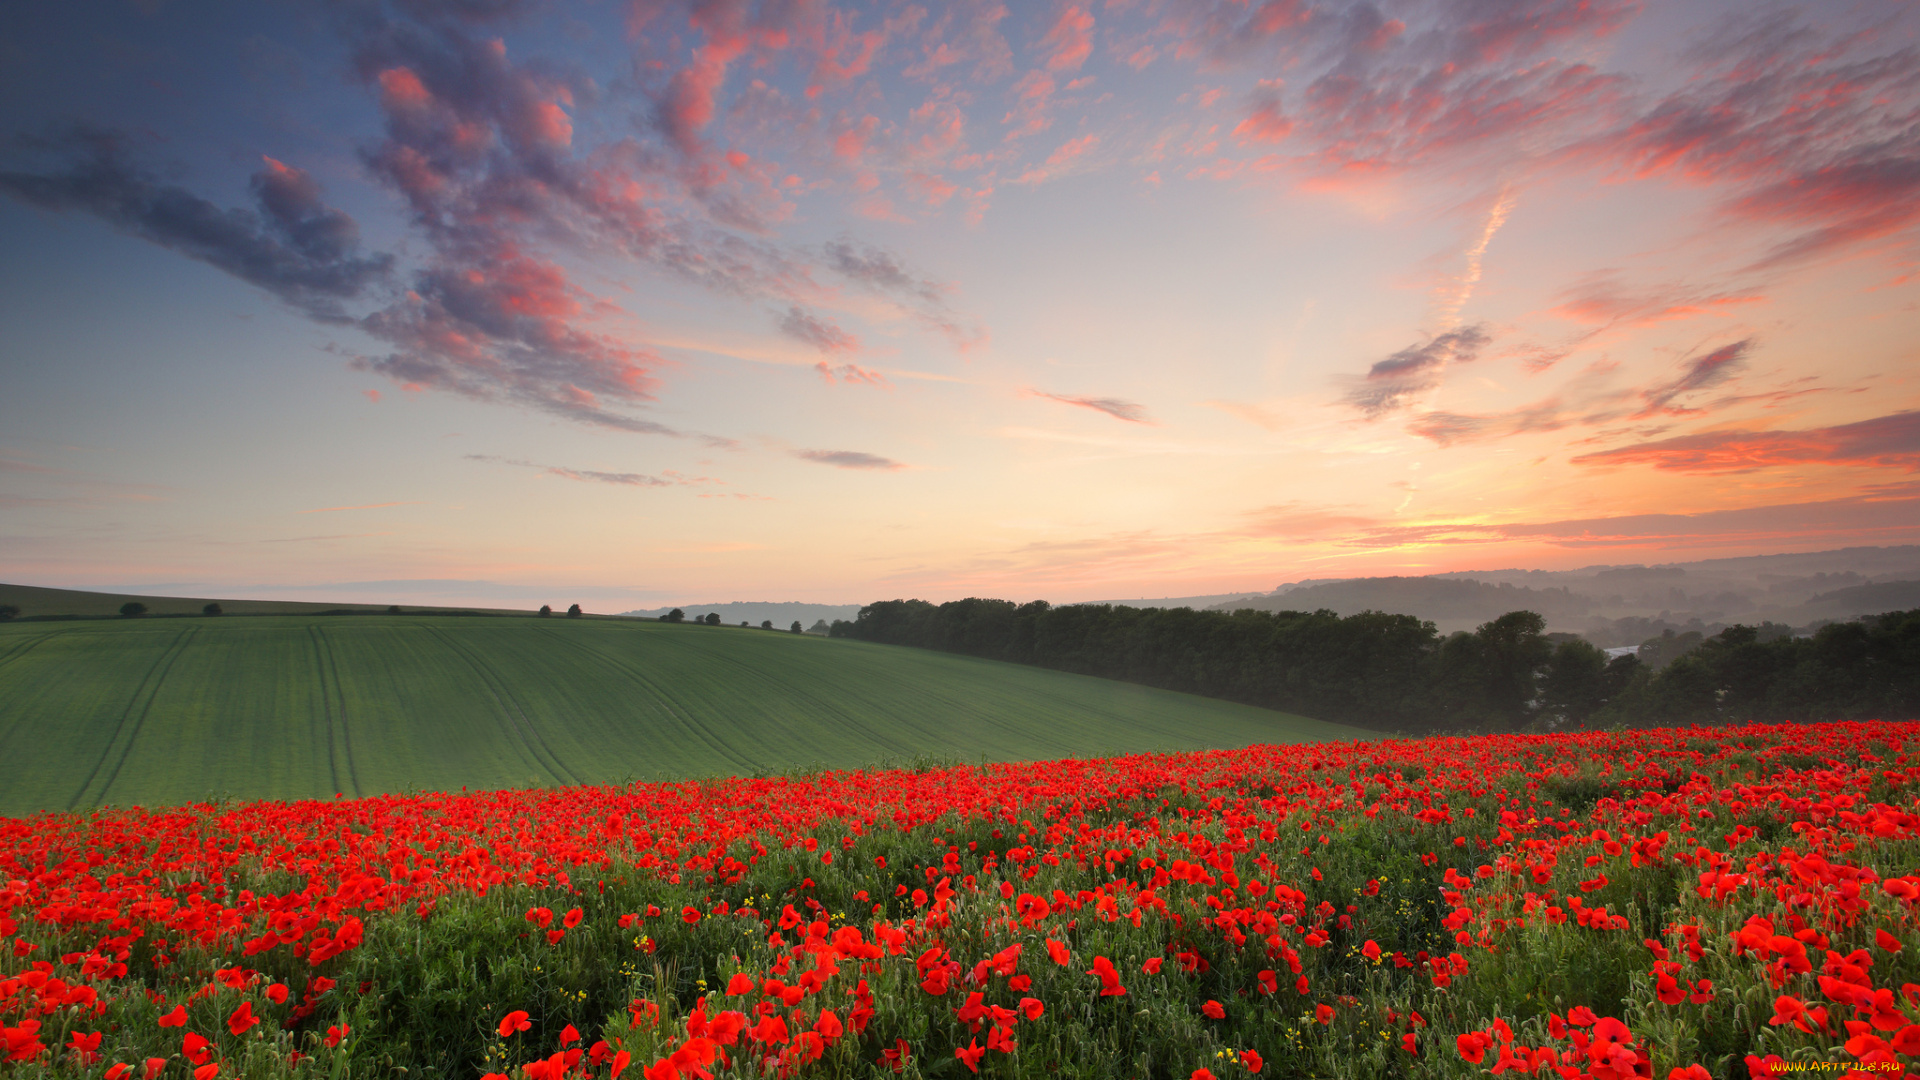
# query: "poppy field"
177 710
1676 903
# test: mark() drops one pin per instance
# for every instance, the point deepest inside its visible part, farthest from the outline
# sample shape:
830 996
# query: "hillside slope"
157 711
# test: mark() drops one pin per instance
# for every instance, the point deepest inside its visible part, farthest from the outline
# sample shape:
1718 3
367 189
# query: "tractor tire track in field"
113 756
29 645
536 746
334 704
876 739
666 700
884 743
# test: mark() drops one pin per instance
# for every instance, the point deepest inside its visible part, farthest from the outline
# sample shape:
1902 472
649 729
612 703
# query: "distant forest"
1399 673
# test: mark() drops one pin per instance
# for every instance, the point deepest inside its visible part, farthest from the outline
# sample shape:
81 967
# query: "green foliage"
1866 669
132 609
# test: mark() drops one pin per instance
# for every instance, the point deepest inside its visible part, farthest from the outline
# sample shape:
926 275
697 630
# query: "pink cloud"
851 374
931 188
507 328
1407 116
966 32
1796 125
402 89
1071 149
851 143
1268 122
1070 39
1032 98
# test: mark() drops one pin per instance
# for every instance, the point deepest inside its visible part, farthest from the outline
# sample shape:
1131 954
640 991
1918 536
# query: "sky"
634 303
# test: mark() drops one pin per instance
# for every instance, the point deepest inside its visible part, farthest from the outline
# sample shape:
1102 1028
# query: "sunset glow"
648 302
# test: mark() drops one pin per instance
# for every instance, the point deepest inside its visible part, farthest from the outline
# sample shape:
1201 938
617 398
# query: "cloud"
1060 161
1268 121
1402 117
965 33
1070 39
820 333
1887 514
507 326
1604 298
1448 428
622 479
1704 373
484 151
1394 383
293 245
1887 442
1114 407
1804 130
879 271
851 373
849 459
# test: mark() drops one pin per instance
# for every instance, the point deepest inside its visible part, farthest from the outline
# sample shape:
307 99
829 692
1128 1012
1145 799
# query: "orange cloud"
1886 442
1602 298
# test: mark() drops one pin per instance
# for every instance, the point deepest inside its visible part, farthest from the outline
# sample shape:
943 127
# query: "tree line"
1398 673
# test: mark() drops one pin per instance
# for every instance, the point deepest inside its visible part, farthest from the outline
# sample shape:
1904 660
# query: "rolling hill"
174 710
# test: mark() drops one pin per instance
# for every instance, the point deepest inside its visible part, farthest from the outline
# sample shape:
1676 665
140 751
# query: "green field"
161 711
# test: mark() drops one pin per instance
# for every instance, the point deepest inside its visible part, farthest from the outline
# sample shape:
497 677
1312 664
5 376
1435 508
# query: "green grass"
168 711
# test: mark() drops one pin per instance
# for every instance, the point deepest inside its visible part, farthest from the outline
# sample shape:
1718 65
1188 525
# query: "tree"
676 615
573 612
8 611
212 609
1575 684
795 628
394 610
545 611
713 618
819 627
766 624
1488 679
1514 652
1657 653
132 609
